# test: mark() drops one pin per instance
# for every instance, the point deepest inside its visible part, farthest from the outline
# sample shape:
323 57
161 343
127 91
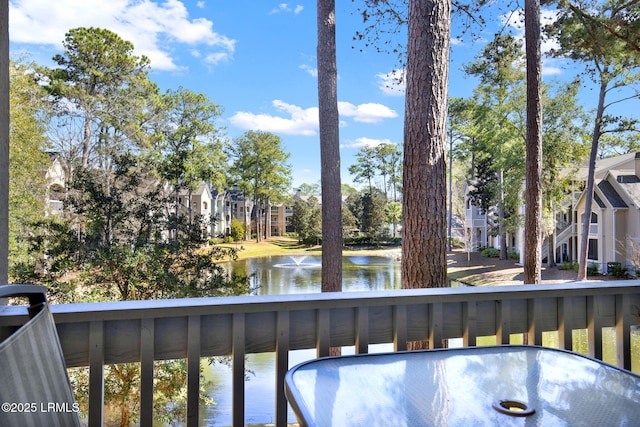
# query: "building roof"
612 196
622 162
629 184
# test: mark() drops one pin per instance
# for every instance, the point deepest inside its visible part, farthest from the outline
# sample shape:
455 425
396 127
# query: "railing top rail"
247 304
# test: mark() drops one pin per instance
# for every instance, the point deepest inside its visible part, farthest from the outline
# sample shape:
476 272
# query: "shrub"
490 252
618 270
566 265
457 243
592 269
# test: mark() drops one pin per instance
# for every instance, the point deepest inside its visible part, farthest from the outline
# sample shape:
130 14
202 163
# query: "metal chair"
34 386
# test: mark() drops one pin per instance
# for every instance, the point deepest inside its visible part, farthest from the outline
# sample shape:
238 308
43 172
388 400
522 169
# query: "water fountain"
298 262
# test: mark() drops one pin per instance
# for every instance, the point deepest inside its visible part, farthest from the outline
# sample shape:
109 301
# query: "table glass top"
481 386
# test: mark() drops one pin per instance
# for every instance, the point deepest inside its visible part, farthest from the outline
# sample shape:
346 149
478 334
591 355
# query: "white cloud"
366 142
312 71
298 121
285 8
200 4
216 58
153 27
295 120
392 83
366 113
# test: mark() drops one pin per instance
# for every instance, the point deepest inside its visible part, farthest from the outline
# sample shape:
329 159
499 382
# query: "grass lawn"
290 246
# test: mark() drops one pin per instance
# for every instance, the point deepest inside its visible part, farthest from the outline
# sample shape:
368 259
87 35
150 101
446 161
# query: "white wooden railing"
143 331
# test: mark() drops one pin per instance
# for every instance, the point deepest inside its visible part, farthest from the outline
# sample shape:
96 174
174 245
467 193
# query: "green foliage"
389 164
373 217
602 36
617 270
567 265
495 141
364 170
260 169
393 213
189 146
368 209
365 241
27 162
349 222
238 230
101 88
457 243
384 160
123 253
307 220
309 189
490 252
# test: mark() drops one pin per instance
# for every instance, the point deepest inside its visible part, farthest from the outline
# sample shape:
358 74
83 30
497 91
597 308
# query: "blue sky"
256 59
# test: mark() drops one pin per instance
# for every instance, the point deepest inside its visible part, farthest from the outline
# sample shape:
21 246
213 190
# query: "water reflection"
291 275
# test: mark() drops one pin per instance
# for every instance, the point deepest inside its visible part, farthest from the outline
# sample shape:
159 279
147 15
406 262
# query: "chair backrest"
34 386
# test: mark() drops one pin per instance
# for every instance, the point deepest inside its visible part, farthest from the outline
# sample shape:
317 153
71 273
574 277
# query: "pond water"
302 274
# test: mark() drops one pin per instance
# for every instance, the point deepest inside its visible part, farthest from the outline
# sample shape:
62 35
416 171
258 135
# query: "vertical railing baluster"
147 335
436 325
237 357
594 327
534 319
323 332
503 319
96 374
282 365
362 330
193 371
399 327
565 323
469 323
623 332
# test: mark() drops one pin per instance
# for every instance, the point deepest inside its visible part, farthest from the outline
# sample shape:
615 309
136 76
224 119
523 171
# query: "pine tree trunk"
583 248
533 196
329 148
424 231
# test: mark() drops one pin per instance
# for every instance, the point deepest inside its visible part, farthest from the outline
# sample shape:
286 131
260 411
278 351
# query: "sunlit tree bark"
424 229
533 192
329 148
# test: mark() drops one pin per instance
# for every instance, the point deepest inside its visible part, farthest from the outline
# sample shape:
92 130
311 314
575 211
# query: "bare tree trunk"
329 148
424 231
450 219
4 142
86 139
588 203
533 196
502 229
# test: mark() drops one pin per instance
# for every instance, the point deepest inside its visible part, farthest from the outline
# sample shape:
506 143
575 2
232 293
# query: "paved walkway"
479 270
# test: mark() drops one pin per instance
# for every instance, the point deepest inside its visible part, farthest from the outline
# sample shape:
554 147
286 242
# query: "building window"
205 206
593 249
593 227
56 192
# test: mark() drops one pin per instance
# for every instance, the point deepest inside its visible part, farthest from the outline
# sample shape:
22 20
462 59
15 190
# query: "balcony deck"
95 334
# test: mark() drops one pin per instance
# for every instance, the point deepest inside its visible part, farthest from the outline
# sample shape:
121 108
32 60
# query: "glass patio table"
477 386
